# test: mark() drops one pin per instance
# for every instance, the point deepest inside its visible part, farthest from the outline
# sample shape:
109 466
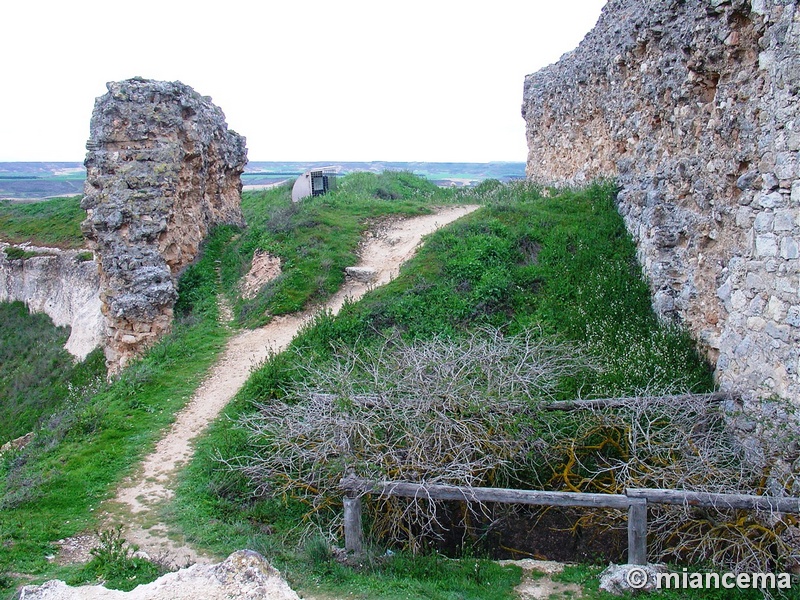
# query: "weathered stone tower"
162 169
694 107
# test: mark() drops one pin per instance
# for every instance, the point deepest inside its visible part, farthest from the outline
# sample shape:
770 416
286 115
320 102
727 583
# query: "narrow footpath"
137 501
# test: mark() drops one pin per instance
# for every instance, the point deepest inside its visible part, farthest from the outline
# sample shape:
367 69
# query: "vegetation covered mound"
54 222
442 374
554 269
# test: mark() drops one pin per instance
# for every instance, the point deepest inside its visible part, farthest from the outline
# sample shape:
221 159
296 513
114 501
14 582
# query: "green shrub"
115 565
36 373
17 253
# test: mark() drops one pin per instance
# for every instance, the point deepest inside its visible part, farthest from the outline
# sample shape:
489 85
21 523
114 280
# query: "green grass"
564 265
17 253
403 576
36 373
86 444
316 238
54 222
114 565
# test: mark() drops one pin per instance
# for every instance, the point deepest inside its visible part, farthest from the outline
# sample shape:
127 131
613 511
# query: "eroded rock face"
162 168
63 284
693 107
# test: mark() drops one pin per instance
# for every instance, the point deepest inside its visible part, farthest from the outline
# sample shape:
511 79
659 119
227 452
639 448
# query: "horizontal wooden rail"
635 500
479 494
736 501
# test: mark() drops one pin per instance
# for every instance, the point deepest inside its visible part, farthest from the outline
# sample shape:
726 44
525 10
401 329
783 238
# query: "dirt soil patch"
263 269
537 582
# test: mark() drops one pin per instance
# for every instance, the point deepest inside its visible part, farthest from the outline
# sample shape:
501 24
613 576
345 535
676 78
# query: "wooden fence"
635 500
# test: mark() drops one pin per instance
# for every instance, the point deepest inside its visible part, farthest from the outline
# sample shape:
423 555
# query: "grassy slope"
317 238
54 222
35 370
86 444
520 261
89 440
564 264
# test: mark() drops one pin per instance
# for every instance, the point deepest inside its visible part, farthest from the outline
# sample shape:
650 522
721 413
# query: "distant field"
41 179
53 222
36 180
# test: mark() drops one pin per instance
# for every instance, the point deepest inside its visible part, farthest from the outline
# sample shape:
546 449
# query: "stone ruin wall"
162 168
693 106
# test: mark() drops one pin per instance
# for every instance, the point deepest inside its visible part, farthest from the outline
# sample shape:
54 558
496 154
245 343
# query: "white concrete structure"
314 182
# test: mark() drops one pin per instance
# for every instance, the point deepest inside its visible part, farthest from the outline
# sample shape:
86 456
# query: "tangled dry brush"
473 412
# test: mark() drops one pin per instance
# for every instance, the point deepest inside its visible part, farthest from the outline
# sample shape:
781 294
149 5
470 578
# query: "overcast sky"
433 80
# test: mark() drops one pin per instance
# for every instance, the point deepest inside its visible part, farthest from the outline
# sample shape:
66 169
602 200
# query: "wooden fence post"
637 531
353 534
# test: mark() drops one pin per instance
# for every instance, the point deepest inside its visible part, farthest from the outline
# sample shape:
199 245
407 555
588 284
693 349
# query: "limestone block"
771 200
764 222
784 220
244 575
365 274
789 249
766 245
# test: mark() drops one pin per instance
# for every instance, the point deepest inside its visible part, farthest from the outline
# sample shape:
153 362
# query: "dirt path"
537 582
139 497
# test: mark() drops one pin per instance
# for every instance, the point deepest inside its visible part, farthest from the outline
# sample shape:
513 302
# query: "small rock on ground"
620 579
542 587
365 274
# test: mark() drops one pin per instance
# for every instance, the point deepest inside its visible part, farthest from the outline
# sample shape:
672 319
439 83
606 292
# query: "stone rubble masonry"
693 107
162 168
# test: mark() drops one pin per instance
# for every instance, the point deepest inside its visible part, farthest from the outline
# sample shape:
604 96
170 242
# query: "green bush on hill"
36 373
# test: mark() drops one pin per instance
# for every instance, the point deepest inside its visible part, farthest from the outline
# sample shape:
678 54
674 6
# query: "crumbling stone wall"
161 170
693 106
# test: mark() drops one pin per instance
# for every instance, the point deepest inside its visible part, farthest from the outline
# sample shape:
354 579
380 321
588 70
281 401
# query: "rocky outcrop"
693 106
64 285
162 169
244 575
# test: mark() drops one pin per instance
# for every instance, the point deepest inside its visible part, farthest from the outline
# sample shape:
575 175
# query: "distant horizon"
251 161
26 179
